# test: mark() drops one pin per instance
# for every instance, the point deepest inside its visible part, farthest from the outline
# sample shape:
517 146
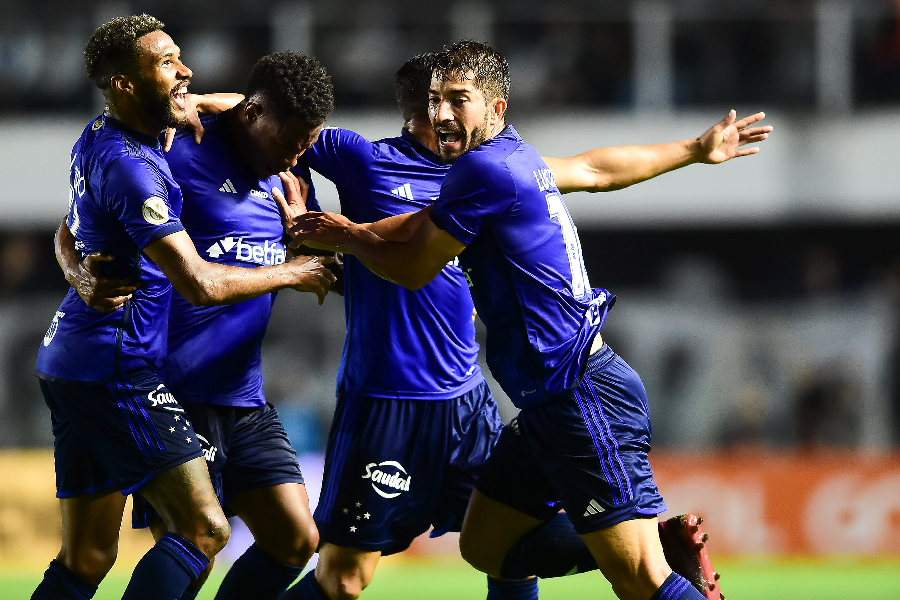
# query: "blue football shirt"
215 352
523 259
122 197
400 344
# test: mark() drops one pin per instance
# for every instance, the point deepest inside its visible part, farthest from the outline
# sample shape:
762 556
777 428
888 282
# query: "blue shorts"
116 434
394 468
585 452
245 449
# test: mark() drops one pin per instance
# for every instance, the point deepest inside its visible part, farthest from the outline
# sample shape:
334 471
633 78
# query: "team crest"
98 123
155 211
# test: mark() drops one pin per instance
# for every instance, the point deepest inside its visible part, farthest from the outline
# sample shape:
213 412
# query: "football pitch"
402 578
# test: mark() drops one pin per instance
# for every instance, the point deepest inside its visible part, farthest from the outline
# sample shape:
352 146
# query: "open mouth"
179 96
449 140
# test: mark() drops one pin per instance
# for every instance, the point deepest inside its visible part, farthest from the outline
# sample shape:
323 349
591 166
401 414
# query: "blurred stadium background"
759 300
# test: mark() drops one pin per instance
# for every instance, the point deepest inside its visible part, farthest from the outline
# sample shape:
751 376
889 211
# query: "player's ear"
252 111
497 110
120 83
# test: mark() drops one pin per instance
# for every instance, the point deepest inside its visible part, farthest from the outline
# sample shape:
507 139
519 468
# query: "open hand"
723 140
312 275
292 203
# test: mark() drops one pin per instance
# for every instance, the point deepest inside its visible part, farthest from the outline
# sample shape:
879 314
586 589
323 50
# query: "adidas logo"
593 508
403 191
228 187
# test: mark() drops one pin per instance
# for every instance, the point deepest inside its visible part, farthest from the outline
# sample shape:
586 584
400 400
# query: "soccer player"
214 365
117 427
413 354
581 439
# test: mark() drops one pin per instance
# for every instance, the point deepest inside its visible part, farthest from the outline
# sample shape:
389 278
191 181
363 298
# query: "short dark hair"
294 84
486 67
412 82
114 47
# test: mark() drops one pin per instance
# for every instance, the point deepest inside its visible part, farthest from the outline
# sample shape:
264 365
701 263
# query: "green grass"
409 579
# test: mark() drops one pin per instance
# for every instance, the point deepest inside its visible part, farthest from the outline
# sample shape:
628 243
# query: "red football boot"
684 544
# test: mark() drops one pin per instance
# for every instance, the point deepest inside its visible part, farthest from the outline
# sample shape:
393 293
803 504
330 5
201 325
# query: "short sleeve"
136 193
473 193
339 154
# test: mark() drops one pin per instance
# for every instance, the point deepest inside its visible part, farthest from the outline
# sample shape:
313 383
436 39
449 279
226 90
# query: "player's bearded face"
163 80
460 117
161 105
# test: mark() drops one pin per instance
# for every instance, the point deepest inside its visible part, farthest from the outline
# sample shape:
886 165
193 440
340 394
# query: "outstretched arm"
617 167
408 249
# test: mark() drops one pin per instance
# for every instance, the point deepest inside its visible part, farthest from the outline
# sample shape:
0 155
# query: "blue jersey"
400 344
523 260
215 351
122 198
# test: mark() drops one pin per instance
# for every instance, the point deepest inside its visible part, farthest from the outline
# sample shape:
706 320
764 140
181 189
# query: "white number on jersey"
558 212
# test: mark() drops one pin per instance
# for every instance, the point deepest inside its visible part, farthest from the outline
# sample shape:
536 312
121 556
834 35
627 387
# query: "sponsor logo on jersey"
54 325
228 187
403 191
155 210
259 193
267 253
593 508
209 451
389 478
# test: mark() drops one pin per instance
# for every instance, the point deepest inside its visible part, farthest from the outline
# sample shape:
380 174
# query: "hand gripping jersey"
122 197
400 344
215 351
524 264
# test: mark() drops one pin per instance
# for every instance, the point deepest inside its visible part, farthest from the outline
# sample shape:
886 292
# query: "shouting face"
162 80
461 116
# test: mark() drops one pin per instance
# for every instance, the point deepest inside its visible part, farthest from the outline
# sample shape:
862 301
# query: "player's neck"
423 131
135 118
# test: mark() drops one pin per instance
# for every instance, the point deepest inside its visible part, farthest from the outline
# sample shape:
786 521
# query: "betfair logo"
267 253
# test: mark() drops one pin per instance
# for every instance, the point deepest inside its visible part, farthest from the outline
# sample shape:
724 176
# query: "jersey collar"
144 139
423 150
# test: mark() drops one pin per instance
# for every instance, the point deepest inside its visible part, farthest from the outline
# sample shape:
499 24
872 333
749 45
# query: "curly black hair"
294 84
468 59
114 47
412 82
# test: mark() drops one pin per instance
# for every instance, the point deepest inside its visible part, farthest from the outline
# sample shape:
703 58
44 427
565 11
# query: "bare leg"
631 557
489 530
345 572
90 533
279 518
186 502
